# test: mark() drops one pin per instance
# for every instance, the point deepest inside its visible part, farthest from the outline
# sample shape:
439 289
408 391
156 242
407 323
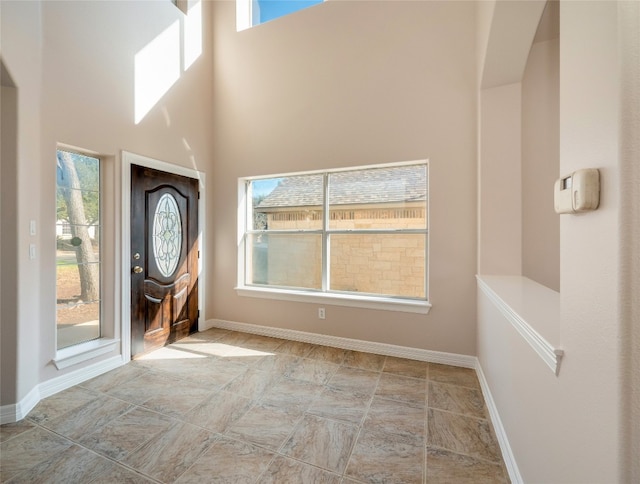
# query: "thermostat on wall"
578 192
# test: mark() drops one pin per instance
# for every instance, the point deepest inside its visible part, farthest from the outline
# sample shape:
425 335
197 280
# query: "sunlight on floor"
188 348
169 353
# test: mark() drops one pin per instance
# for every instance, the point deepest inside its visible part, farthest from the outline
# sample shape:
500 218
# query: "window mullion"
248 226
325 236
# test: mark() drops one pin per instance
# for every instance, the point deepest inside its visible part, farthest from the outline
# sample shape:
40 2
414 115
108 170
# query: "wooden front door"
164 258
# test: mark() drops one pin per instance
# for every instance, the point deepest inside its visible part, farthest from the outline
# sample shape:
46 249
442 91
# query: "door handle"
137 269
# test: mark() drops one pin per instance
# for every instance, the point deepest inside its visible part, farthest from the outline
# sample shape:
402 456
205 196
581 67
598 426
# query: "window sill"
354 301
73 355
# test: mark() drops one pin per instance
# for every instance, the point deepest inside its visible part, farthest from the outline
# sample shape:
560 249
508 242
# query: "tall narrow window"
78 260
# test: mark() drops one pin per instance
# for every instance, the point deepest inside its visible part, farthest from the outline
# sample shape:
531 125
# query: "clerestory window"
356 234
250 13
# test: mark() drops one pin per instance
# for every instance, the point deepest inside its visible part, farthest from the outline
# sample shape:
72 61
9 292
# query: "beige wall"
500 172
540 164
574 423
348 84
86 99
8 238
629 13
21 39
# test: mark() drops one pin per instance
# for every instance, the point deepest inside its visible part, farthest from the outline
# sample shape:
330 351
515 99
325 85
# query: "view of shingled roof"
381 185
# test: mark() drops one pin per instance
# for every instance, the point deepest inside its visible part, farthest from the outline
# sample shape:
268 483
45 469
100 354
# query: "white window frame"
389 303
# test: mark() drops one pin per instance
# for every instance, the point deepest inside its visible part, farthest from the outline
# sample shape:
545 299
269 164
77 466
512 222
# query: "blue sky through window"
272 9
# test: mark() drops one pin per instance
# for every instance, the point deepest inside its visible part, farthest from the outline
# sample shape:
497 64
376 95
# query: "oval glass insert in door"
167 235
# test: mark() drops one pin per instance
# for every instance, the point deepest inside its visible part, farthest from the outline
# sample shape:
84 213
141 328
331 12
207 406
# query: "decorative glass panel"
167 235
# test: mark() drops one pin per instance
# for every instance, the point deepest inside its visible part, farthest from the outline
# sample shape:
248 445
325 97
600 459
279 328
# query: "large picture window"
78 262
360 232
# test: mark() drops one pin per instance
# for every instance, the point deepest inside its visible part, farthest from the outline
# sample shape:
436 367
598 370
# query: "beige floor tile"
463 435
228 462
444 466
289 471
402 388
294 395
234 338
314 371
264 344
364 361
355 380
322 442
139 390
170 453
222 371
401 421
61 403
72 465
114 378
252 383
327 353
454 375
126 433
10 430
340 405
264 425
218 411
88 418
405 367
27 450
166 416
177 399
204 370
376 459
454 398
295 348
117 474
278 362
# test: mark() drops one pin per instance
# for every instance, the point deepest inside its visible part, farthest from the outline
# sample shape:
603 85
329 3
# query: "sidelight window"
78 254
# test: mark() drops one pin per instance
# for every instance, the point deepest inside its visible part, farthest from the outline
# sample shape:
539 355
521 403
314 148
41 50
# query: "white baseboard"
501 434
15 412
346 343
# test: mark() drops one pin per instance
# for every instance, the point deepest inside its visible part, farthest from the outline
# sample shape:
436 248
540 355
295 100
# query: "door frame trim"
129 159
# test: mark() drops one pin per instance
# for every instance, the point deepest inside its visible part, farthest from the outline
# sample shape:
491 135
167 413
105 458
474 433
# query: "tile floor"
229 407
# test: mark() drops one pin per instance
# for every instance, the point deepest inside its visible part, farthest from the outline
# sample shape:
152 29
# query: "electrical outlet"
321 313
